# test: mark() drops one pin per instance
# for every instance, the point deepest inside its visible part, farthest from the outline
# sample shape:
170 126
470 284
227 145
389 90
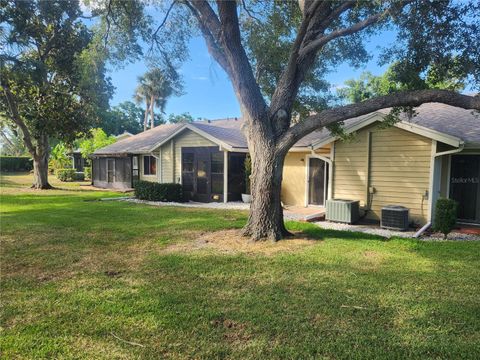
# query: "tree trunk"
152 121
145 118
40 164
266 213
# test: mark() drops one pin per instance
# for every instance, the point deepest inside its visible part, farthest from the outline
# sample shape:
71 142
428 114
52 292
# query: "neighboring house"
79 163
413 163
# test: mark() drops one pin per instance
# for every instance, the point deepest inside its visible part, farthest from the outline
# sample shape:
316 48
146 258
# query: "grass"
87 279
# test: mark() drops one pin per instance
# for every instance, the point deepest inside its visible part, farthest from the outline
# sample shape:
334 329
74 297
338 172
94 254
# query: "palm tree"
154 88
142 94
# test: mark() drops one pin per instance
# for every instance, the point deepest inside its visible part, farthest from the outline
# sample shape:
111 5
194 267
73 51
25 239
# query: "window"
149 165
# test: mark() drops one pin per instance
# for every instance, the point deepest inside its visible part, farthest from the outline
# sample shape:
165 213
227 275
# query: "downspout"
448 152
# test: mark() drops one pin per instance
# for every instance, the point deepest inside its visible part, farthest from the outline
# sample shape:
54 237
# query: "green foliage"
56 78
97 139
445 215
15 163
126 116
65 174
154 89
248 173
59 158
152 191
87 171
182 118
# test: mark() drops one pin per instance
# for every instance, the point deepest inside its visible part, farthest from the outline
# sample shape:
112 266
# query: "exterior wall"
186 139
166 155
350 168
397 167
294 176
293 184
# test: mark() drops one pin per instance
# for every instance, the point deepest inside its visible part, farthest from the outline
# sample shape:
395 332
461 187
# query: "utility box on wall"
344 211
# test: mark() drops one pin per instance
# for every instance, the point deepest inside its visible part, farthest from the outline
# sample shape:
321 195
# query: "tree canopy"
53 77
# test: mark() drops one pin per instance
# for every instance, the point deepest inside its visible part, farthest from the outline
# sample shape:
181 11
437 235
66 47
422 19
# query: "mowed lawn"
89 279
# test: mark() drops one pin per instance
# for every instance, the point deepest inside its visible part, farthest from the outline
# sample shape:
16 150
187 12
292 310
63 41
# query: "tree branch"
402 98
15 117
206 24
164 19
243 80
323 40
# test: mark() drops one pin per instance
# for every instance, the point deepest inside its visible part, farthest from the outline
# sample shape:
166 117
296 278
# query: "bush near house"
87 171
146 190
15 163
69 175
445 216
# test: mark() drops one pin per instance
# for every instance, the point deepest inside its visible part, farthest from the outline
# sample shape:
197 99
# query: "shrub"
65 174
151 191
15 163
87 170
445 216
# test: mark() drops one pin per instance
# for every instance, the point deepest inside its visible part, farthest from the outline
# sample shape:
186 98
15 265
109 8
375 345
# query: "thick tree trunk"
40 164
266 213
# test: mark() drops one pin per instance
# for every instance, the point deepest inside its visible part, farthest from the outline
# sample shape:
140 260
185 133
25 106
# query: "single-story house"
412 163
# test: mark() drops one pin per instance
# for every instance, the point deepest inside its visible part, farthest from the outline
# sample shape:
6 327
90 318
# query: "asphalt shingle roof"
450 120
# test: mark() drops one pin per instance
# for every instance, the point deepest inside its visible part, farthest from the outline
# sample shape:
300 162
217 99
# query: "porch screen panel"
217 172
102 169
119 170
127 174
96 169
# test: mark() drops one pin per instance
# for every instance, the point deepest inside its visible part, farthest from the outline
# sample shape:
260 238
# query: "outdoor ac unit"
394 217
345 211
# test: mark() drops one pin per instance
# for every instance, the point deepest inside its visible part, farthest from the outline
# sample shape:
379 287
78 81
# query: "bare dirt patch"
232 242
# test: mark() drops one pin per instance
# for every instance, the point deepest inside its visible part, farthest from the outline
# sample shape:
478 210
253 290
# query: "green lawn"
82 278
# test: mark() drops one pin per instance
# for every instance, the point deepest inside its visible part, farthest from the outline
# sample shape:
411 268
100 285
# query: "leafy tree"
154 89
53 81
369 85
125 116
59 158
277 55
97 139
181 118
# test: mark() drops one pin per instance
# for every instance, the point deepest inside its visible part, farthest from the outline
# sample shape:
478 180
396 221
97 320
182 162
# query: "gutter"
448 152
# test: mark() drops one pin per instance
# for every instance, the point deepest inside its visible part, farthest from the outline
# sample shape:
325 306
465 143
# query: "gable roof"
445 123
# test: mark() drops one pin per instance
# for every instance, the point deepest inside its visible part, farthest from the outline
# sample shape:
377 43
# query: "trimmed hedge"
15 163
152 191
87 170
445 216
69 175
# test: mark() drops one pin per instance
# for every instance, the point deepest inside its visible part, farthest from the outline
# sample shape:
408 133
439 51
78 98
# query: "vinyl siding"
167 162
350 168
399 170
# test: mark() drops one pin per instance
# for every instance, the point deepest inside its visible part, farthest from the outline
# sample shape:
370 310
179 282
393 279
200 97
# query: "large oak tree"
277 53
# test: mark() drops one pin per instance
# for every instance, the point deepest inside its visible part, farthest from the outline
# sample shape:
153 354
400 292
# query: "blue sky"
208 92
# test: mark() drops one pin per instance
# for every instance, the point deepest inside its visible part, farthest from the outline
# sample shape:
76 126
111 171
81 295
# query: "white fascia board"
429 133
350 129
